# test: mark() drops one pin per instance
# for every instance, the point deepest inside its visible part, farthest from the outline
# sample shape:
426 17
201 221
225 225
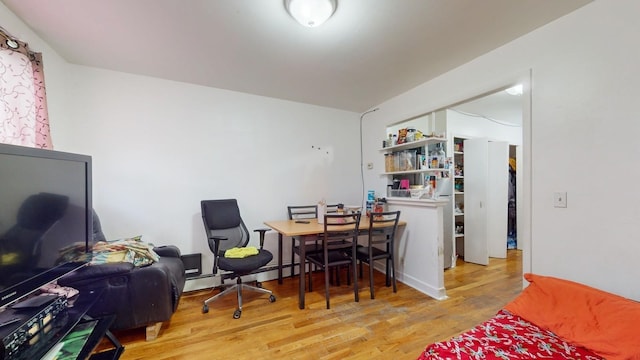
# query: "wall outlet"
560 199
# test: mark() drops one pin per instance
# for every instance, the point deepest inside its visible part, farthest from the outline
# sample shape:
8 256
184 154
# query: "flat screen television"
45 217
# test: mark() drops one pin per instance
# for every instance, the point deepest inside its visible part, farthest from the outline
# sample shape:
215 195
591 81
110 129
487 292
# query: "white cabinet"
485 199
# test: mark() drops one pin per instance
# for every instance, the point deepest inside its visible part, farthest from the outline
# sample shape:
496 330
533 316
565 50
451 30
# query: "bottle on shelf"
433 156
432 183
442 156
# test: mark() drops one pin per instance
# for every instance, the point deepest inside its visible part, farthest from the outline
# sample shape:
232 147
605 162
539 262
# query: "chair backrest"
383 226
222 218
302 212
308 211
331 209
338 228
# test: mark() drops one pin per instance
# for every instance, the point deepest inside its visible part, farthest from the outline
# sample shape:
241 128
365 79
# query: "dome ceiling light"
310 13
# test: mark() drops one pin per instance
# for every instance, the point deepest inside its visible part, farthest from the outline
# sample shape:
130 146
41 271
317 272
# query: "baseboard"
208 281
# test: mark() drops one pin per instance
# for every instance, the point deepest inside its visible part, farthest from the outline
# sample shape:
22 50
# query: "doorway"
497 117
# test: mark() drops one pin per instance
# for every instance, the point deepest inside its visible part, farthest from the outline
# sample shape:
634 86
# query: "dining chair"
339 241
305 212
380 245
302 212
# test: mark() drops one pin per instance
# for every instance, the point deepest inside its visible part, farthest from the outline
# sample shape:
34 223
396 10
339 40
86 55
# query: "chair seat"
309 248
334 257
363 253
245 265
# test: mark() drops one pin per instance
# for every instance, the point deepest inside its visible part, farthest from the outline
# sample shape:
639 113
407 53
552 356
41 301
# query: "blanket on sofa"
132 250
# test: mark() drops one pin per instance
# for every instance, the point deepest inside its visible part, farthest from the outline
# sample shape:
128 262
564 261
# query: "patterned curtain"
23 103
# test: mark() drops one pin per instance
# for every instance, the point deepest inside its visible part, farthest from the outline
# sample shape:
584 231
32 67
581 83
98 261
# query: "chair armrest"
167 251
214 246
93 272
262 231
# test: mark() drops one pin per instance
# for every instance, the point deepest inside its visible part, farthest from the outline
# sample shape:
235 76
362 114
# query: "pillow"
607 324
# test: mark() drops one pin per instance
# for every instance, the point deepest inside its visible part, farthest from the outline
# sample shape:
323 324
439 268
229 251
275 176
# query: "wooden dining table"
295 229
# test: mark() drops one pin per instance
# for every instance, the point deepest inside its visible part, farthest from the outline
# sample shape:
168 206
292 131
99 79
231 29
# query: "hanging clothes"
511 207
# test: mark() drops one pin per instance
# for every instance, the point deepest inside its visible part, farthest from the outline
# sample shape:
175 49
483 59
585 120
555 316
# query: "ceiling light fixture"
310 13
514 90
12 44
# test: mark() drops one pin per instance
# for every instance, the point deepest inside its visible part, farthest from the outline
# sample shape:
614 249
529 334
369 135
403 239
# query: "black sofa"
138 296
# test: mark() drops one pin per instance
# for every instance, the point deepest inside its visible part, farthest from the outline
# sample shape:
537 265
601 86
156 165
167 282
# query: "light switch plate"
560 199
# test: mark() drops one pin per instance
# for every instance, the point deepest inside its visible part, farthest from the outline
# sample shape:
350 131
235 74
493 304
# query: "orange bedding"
607 324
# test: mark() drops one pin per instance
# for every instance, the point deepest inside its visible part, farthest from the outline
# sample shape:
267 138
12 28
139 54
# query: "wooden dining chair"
380 246
339 242
305 212
302 212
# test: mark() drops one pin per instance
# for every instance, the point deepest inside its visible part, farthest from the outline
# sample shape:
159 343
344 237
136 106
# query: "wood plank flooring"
392 326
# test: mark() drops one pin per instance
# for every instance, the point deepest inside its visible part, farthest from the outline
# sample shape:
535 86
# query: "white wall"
581 138
159 147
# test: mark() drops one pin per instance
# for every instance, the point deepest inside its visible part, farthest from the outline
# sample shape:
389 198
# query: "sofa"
143 296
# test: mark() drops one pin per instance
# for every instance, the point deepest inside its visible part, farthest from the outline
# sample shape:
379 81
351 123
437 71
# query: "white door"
497 198
475 201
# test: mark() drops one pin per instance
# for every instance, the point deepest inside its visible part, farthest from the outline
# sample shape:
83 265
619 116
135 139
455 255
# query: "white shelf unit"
422 147
420 171
419 175
458 219
414 144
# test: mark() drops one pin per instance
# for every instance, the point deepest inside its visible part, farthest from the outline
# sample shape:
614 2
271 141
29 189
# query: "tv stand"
43 322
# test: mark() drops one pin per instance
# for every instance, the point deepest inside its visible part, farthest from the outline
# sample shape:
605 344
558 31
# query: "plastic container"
400 193
388 163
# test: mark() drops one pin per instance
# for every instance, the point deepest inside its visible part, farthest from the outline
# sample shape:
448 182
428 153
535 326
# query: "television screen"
45 217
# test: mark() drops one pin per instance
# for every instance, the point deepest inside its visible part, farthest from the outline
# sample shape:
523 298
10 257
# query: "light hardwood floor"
392 326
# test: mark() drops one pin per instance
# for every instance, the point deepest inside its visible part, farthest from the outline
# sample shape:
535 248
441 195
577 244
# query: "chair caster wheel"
237 313
272 298
205 308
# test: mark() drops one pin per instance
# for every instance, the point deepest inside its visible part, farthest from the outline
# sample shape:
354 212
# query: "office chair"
226 230
380 245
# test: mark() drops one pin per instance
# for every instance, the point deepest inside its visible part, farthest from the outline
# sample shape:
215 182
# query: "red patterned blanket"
506 336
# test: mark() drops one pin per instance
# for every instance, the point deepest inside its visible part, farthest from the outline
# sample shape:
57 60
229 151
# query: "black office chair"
380 245
225 230
339 241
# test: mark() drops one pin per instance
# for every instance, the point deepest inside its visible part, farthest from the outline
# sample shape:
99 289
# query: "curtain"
23 103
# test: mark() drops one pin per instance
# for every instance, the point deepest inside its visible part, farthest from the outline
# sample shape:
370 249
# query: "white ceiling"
368 52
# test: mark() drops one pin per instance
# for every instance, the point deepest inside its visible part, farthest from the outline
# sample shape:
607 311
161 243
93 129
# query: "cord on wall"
485 117
362 158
